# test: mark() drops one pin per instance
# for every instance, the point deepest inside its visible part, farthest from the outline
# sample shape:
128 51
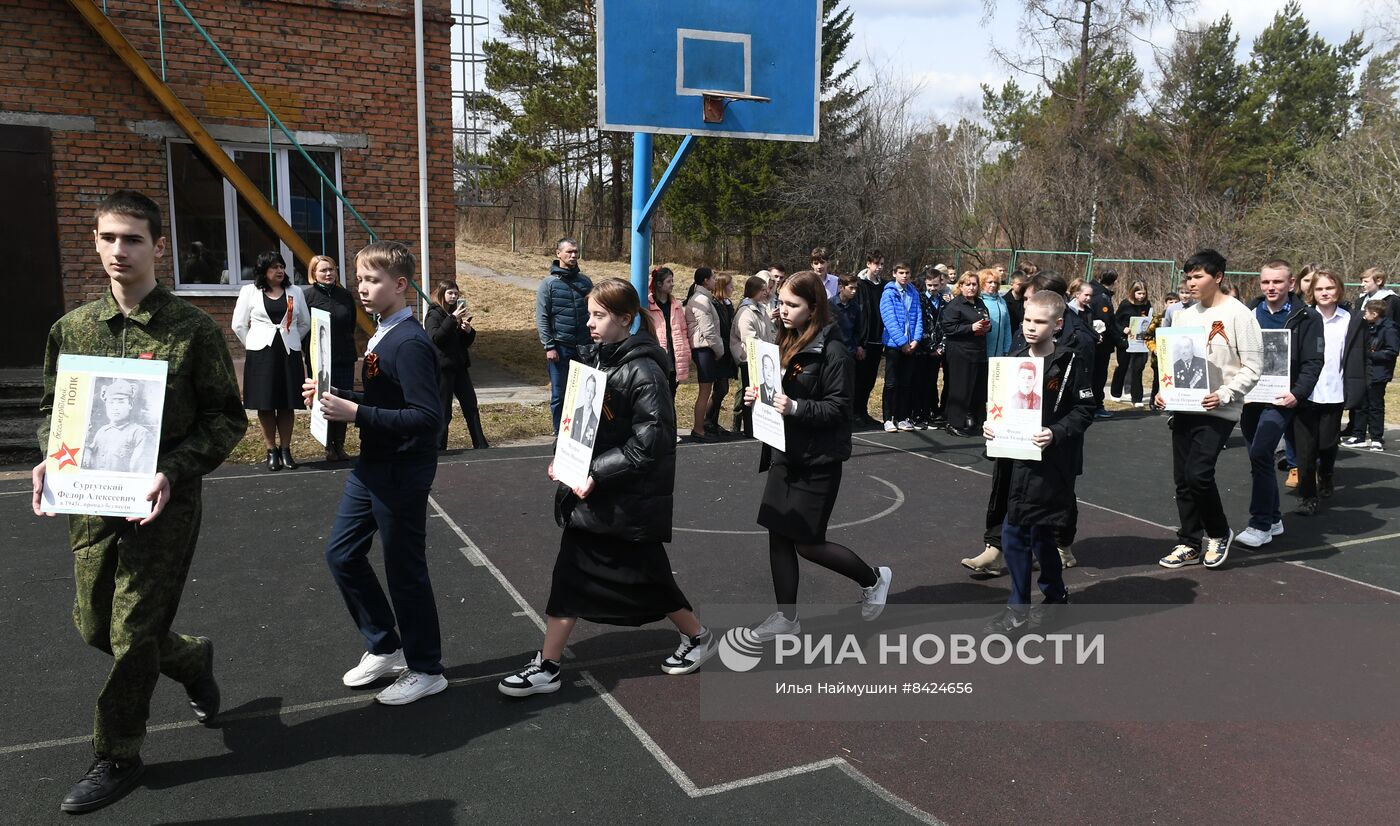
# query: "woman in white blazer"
270 321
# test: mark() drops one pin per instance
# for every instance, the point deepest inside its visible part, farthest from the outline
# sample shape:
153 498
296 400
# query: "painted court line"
898 502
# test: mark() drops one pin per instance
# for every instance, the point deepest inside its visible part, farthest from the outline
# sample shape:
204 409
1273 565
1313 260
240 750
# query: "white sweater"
1234 351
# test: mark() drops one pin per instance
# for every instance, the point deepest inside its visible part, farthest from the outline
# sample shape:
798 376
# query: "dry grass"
535 264
504 317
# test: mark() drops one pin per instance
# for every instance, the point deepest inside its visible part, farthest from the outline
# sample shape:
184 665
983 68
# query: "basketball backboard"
757 61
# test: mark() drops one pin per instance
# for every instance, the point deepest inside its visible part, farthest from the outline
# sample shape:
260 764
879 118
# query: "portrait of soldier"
122 444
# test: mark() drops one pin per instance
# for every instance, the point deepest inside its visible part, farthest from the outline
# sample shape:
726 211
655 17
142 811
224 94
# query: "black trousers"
1197 440
1375 411
458 383
1129 372
1316 437
867 370
1102 354
925 407
899 375
743 421
967 391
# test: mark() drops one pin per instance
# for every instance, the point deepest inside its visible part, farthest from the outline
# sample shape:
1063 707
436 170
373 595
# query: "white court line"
898 502
488 565
676 772
363 698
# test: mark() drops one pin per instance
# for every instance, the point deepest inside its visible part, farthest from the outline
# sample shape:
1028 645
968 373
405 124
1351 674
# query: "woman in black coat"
450 328
965 326
612 566
727 367
325 293
1130 365
804 480
1340 386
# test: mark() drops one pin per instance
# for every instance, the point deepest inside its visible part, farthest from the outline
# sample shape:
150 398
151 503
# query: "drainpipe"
422 150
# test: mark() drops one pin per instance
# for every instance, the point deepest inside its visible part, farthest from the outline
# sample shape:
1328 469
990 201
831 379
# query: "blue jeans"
558 380
1263 425
1018 544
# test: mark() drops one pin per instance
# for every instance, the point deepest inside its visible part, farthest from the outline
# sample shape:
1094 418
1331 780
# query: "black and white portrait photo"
120 436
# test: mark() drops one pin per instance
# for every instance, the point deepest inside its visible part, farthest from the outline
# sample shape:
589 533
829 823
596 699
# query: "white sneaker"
1276 529
905 425
890 427
1067 559
775 625
1253 537
692 653
872 599
411 685
534 678
372 667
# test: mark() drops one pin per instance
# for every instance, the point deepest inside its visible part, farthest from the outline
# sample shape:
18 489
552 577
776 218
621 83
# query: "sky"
945 46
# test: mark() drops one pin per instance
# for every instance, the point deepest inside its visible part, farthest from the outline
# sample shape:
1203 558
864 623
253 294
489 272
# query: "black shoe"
274 460
1307 507
700 437
959 432
1049 613
1008 622
105 783
204 691
1283 464
287 461
1324 485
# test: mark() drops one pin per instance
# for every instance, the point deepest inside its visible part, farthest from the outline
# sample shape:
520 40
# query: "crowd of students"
612 565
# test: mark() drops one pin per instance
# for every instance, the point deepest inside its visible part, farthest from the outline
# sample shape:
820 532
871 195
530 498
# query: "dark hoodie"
634 456
1042 493
1385 345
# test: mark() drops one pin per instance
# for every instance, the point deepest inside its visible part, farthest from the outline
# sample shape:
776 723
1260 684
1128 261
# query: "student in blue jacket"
903 317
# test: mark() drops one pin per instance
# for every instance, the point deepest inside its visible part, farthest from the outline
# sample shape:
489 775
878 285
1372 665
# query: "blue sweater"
903 324
400 412
1000 335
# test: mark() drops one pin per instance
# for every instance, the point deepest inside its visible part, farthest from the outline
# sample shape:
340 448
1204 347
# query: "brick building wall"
333 66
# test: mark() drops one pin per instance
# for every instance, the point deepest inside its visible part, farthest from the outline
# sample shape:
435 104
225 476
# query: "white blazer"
255 330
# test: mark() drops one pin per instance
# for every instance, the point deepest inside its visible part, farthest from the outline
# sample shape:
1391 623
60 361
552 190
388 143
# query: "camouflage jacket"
203 418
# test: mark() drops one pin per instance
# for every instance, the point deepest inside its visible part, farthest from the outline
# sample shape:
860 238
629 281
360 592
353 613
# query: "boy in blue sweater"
399 415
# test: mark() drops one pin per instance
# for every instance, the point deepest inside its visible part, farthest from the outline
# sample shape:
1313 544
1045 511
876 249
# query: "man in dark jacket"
868 357
845 309
1263 424
561 317
928 359
1041 493
1099 315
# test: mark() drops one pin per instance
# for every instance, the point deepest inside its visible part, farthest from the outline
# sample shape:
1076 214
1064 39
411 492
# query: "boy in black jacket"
399 415
1041 496
1385 346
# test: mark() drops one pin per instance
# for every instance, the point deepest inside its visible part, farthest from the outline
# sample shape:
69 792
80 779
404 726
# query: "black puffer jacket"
454 346
820 381
634 457
1042 493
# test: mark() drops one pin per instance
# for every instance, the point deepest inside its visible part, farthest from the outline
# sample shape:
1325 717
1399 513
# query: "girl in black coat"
804 480
612 566
1341 385
325 293
965 325
1130 365
450 328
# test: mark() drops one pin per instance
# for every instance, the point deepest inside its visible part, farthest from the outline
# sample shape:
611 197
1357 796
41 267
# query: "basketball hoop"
714 103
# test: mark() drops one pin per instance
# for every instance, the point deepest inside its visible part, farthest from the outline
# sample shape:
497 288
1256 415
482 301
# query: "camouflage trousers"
129 580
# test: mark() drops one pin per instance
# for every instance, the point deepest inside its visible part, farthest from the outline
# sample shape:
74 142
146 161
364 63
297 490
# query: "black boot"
287 461
105 783
204 690
274 460
474 428
1325 486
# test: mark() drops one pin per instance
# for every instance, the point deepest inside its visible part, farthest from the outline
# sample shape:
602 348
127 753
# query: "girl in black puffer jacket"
804 480
612 566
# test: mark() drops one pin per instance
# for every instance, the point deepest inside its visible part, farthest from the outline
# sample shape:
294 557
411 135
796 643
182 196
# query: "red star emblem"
1167 380
995 412
66 456
564 425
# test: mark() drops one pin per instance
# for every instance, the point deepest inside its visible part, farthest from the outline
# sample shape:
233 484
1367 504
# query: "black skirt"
797 502
612 581
272 378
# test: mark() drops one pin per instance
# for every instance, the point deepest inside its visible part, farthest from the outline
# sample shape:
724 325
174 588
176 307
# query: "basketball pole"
645 200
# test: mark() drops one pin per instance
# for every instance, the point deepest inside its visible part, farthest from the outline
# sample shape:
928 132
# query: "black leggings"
782 558
1316 430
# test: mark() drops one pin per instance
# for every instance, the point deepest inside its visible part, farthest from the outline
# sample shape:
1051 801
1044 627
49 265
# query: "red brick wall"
327 65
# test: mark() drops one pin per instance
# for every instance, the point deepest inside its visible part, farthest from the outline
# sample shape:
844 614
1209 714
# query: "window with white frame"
217 238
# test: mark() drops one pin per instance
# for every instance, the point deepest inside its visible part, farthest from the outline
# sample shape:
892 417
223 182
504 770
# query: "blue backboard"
658 58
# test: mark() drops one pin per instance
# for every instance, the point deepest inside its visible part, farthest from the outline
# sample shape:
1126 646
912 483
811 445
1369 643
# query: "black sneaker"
104 784
540 676
691 653
1307 507
204 691
1049 614
1009 622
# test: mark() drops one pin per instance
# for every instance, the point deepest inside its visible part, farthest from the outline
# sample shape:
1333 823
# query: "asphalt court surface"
620 743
